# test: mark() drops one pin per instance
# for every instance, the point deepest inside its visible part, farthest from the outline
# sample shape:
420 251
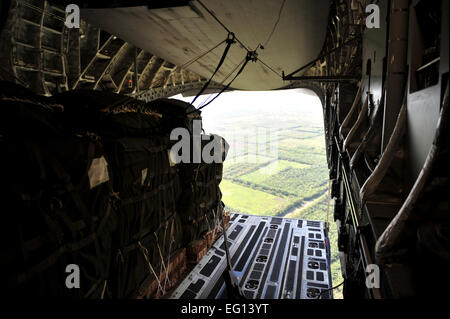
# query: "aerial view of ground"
276 165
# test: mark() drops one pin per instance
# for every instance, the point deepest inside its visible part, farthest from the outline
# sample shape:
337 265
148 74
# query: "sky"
263 104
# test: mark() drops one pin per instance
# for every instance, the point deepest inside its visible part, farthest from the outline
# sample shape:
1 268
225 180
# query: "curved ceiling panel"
180 34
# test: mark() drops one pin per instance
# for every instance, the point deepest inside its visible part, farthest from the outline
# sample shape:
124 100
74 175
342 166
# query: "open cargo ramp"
273 258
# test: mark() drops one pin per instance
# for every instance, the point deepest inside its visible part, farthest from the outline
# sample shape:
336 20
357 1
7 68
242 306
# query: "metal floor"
273 258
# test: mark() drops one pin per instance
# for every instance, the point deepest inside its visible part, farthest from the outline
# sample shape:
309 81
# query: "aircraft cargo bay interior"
224 150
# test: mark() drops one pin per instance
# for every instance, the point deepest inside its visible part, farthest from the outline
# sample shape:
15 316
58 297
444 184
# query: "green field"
242 165
298 134
315 144
250 201
274 168
247 158
301 155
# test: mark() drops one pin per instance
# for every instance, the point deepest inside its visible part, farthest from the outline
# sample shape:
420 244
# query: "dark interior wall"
444 38
374 49
423 103
4 7
5 45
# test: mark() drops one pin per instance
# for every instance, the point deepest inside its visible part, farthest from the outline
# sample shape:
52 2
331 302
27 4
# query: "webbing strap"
68 248
145 231
230 40
69 187
147 195
248 58
34 271
207 221
206 184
